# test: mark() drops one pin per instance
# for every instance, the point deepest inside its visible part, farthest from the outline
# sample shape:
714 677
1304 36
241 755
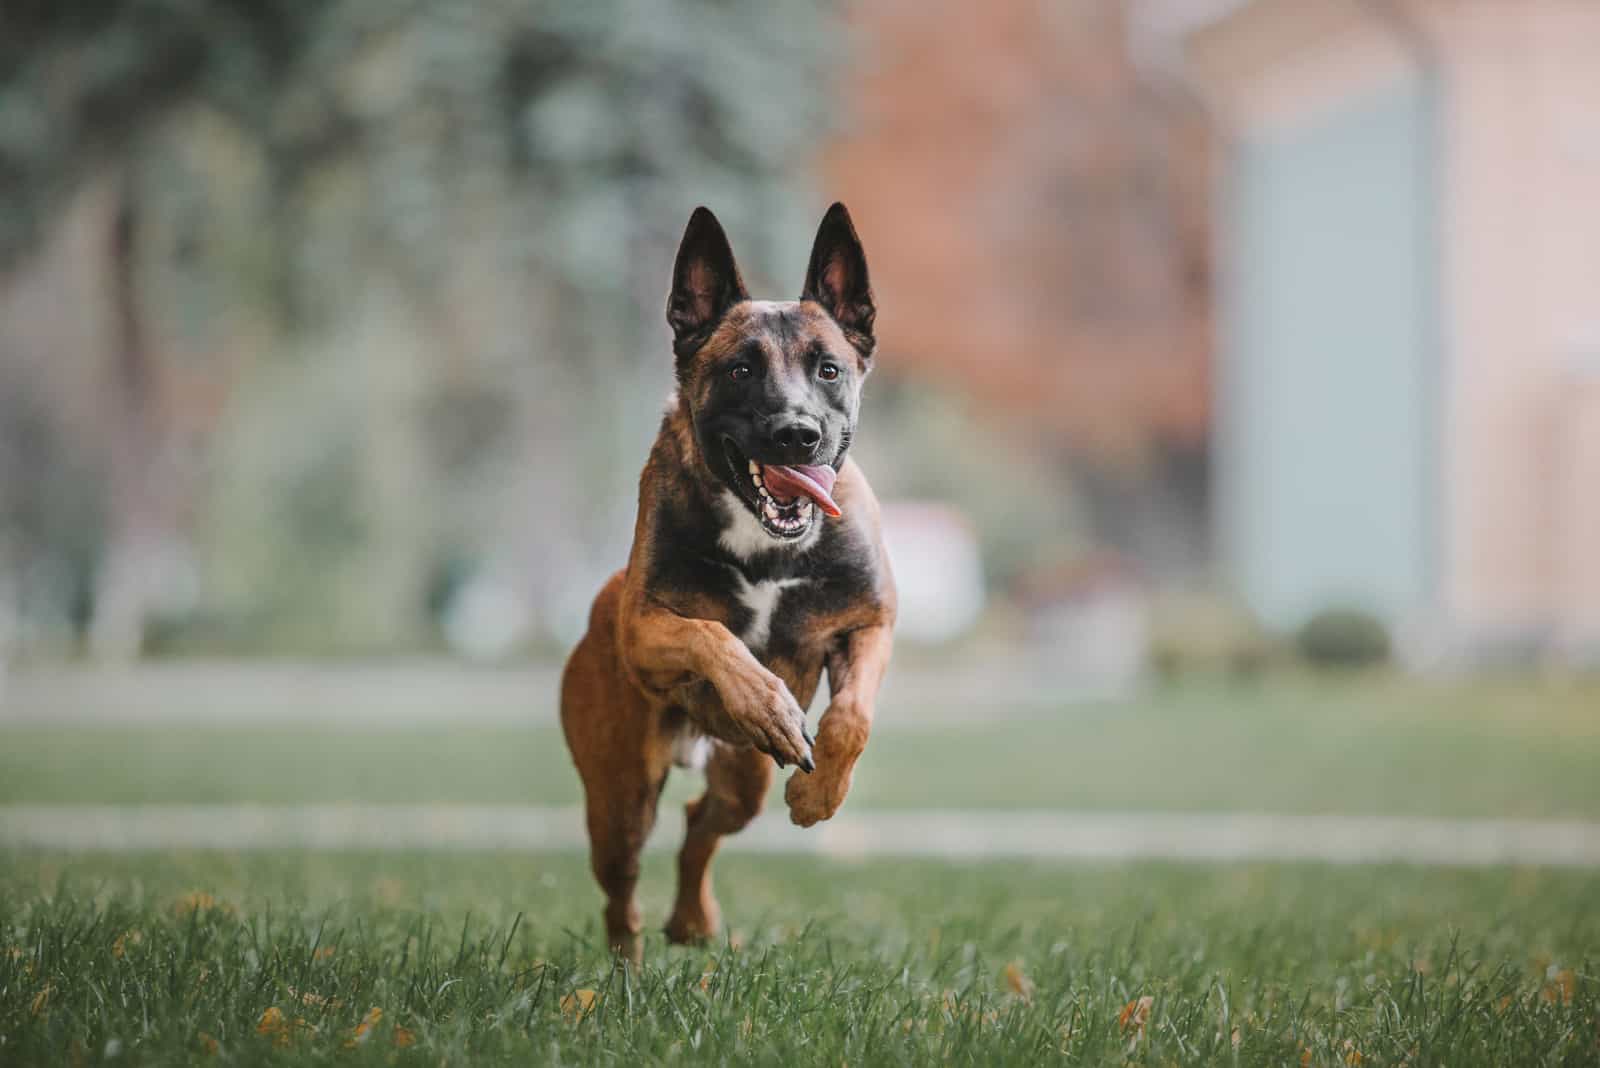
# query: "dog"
757 562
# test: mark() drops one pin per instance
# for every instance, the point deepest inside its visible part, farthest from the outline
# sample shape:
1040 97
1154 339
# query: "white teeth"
764 493
755 468
756 479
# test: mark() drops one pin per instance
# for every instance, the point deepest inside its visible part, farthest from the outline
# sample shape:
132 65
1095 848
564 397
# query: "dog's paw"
771 718
694 924
814 798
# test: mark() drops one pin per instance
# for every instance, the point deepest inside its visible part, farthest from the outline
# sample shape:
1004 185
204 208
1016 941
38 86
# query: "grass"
496 959
1508 749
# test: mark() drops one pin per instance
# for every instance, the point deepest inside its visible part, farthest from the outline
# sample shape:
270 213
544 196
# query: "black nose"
797 439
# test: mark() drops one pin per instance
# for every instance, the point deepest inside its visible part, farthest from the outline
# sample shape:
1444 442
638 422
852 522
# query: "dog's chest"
761 600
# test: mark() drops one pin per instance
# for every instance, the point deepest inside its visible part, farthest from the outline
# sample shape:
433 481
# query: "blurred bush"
1204 633
1343 638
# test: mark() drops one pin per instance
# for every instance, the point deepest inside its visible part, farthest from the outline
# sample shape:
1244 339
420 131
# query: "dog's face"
773 386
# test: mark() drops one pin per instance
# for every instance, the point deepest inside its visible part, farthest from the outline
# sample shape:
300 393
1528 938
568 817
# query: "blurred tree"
1049 200
362 263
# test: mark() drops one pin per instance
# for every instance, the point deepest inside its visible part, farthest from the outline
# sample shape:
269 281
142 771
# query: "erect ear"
705 283
837 278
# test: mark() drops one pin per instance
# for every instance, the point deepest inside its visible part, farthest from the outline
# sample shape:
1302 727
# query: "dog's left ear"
837 278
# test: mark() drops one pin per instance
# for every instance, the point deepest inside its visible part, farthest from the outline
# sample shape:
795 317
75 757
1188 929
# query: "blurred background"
1221 340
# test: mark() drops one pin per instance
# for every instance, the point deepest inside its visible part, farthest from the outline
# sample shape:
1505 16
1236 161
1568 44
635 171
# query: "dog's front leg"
855 671
667 650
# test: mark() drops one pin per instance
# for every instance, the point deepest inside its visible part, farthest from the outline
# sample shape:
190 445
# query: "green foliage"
498 959
421 252
1343 638
935 447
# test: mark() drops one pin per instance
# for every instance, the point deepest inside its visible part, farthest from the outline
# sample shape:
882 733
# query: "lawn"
1292 745
446 959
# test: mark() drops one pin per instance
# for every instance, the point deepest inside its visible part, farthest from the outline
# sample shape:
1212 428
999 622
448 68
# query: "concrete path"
425 692
1040 835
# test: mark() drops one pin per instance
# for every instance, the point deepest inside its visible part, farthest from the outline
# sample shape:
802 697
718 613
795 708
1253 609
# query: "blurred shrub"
1202 633
921 441
1343 638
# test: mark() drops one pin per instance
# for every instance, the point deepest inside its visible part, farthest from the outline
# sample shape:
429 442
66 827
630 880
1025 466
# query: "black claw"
779 761
810 742
806 764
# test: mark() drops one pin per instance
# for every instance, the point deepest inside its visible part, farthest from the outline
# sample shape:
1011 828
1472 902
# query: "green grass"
1287 745
865 964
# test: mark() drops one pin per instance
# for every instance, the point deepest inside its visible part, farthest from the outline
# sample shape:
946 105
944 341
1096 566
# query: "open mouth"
784 497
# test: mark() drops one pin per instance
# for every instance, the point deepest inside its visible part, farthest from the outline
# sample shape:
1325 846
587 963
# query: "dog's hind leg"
737 781
619 823
622 757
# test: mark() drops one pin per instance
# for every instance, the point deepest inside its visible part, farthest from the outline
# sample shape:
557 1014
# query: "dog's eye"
739 372
828 371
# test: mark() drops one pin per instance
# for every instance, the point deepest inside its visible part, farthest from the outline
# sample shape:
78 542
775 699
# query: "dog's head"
773 387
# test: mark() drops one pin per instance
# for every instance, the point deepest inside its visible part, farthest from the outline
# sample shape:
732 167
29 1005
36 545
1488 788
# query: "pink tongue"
787 483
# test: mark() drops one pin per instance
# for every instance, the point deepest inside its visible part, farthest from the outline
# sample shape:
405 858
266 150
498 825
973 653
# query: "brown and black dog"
757 562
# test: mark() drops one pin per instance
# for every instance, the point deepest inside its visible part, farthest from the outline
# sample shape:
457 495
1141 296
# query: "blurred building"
1408 396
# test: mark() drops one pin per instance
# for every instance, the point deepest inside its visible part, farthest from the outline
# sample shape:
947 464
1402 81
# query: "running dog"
757 563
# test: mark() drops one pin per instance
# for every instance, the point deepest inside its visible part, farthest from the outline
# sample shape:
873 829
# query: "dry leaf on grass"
578 1004
1560 985
280 1028
209 1045
1135 1014
313 1000
364 1029
199 901
124 940
1018 981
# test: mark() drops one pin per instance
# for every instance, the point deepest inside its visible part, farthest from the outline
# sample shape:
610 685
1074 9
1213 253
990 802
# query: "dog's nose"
797 439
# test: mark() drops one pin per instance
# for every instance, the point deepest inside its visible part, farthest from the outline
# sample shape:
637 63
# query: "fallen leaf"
578 1004
209 1045
1305 1057
41 1000
1134 1015
124 940
1234 1038
313 1000
1352 1056
274 1026
1019 983
279 1028
403 1037
1560 987
323 952
363 1029
196 901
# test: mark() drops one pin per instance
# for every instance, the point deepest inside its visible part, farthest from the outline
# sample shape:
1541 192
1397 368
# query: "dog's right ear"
705 283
